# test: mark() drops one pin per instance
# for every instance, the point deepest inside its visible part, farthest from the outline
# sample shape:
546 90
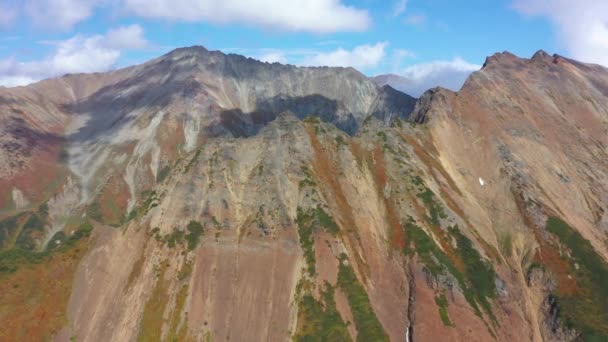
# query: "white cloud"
59 14
398 55
399 7
80 54
330 42
582 25
415 19
320 16
126 37
273 57
14 81
8 14
418 78
360 57
403 53
74 55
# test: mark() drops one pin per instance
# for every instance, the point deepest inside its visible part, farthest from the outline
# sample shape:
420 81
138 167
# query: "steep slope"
535 132
238 200
105 138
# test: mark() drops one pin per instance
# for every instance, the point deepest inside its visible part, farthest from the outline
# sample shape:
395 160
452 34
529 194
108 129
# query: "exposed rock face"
253 201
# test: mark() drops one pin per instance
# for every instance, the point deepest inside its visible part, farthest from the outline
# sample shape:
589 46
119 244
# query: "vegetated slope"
253 201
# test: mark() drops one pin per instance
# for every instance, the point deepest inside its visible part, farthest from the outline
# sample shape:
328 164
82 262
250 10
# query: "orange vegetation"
326 171
33 300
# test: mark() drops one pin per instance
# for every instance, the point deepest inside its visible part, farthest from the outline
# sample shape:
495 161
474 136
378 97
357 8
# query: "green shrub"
442 304
312 119
307 222
308 180
11 259
435 209
162 173
150 201
195 231
506 244
28 238
216 223
306 240
8 228
56 241
84 230
479 272
368 326
153 315
326 221
382 136
94 212
43 209
340 141
477 282
417 181
318 322
193 160
587 309
174 238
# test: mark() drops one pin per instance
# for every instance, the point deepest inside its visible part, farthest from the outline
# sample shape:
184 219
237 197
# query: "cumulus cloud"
59 14
125 37
418 78
582 25
321 16
360 57
74 55
273 57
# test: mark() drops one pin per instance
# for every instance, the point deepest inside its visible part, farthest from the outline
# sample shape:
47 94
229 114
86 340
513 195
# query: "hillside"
204 196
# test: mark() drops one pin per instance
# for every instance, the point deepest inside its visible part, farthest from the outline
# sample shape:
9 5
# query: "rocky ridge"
234 199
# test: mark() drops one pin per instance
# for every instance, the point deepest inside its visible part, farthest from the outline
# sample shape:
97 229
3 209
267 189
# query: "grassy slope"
35 289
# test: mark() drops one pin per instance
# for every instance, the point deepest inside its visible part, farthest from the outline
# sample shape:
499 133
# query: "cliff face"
233 199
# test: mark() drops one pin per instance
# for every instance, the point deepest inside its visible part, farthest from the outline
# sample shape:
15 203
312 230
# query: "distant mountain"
395 81
416 81
205 196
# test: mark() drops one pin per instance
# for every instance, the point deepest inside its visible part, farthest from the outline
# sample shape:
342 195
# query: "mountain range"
210 197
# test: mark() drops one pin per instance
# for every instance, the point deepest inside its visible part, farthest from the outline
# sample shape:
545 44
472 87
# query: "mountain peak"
188 50
540 54
506 58
500 58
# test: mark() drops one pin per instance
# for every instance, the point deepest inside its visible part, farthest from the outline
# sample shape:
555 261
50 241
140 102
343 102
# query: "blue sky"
432 42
